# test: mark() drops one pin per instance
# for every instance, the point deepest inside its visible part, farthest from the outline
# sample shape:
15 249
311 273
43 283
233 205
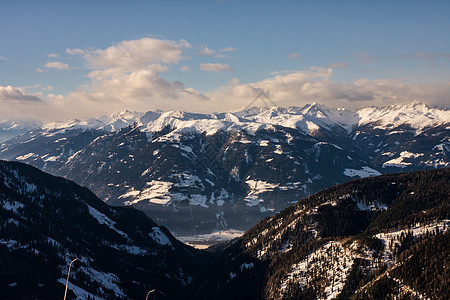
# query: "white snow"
398 162
80 294
202 241
157 192
130 249
307 119
160 237
103 219
278 150
393 237
364 172
26 156
371 206
257 187
107 281
263 143
416 114
332 261
13 206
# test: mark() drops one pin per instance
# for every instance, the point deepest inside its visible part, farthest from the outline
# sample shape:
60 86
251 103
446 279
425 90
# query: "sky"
80 59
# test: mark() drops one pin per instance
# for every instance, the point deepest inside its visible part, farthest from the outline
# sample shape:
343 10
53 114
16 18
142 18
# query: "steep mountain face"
384 237
46 222
200 172
406 138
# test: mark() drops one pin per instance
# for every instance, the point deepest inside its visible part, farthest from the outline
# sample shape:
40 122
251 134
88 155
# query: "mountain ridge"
315 112
207 170
48 221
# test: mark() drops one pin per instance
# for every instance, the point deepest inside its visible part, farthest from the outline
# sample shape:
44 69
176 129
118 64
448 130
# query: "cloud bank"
16 104
133 75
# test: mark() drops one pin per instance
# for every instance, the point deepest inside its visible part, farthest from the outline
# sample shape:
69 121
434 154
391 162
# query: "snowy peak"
308 119
119 120
416 114
329 116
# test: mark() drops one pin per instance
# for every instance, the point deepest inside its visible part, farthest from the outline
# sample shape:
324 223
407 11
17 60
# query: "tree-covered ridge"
46 221
348 241
384 237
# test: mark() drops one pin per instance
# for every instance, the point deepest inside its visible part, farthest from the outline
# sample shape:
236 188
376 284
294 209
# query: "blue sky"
61 59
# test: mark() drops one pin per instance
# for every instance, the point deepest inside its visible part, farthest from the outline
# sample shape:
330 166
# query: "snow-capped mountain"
46 222
375 238
12 128
415 114
200 172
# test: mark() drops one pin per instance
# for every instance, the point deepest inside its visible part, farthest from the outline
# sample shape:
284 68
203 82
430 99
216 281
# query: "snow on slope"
417 114
332 262
307 119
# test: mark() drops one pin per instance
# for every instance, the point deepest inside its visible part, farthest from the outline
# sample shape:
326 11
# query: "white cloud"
14 102
215 67
53 55
302 87
144 83
57 65
185 68
127 75
294 55
136 54
228 49
39 70
75 51
205 52
3 58
12 94
36 87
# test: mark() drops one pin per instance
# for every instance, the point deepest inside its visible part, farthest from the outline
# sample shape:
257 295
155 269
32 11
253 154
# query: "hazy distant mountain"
201 172
12 128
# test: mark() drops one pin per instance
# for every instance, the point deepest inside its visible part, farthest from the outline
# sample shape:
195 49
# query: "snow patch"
26 156
160 237
13 206
103 219
399 163
364 172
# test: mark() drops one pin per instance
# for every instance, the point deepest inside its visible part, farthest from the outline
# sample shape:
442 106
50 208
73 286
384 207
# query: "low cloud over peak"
12 94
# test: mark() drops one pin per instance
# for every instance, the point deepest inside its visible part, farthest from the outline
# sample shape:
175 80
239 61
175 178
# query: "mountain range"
383 237
197 173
